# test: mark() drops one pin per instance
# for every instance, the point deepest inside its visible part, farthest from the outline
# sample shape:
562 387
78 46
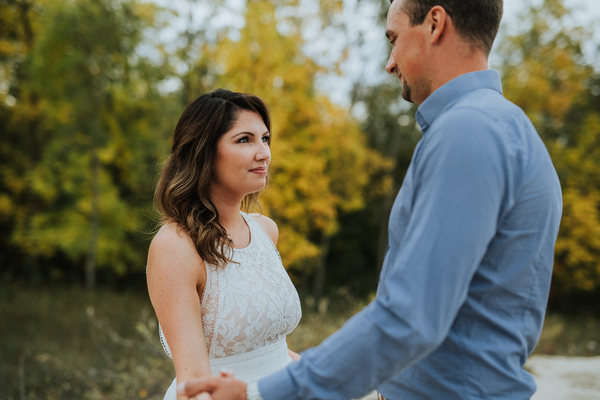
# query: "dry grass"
68 343
574 335
73 344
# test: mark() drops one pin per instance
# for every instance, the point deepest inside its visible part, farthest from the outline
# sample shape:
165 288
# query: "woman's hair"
182 192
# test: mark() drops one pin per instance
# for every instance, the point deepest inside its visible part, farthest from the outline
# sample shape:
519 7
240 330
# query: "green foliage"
87 73
81 144
577 158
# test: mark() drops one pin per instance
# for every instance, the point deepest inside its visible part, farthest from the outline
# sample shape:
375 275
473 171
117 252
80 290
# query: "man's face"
408 56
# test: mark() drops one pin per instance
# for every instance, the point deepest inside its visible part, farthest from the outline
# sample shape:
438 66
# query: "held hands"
224 387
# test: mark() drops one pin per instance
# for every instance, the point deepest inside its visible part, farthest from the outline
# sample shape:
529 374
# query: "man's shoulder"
483 109
485 100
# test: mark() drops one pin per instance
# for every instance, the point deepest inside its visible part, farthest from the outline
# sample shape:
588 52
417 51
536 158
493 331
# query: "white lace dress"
248 308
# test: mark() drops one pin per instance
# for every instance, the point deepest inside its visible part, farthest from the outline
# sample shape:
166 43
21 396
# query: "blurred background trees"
79 146
91 90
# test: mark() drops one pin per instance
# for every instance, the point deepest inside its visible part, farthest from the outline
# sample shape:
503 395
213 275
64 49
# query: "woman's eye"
244 139
266 139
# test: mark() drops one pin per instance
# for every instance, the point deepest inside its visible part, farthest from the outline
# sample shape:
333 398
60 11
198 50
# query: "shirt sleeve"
459 183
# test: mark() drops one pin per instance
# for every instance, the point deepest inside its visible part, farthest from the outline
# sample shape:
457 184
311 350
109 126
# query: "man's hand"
224 387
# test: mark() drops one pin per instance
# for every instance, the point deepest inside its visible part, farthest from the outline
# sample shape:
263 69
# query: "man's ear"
436 20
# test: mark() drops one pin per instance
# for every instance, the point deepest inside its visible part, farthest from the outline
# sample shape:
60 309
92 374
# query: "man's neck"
450 66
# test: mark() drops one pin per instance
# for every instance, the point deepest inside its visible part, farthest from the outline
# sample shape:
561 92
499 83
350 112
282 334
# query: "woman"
215 279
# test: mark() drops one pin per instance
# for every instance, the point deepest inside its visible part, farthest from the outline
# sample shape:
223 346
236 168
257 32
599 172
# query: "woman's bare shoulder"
172 248
170 235
268 225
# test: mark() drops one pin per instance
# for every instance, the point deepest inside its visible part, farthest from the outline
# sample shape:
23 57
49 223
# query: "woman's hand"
294 356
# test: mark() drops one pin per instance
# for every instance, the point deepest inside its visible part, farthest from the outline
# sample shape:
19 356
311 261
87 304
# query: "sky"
585 13
585 9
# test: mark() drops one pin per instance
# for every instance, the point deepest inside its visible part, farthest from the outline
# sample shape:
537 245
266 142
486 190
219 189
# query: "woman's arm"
176 277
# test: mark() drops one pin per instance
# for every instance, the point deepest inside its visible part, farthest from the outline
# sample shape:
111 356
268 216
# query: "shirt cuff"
280 385
252 392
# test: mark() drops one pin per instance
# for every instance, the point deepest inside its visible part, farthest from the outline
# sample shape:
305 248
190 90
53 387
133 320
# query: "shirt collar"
436 102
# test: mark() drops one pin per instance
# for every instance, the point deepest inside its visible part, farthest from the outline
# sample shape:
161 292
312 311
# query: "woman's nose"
264 152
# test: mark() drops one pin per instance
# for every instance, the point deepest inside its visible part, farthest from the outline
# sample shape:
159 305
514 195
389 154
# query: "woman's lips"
259 170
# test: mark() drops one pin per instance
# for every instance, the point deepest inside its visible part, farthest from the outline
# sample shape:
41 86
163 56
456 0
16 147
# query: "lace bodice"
250 303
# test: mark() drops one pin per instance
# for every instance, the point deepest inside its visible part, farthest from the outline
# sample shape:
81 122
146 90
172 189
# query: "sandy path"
561 378
565 378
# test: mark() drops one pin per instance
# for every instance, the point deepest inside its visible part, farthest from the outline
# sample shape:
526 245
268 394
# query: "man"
464 285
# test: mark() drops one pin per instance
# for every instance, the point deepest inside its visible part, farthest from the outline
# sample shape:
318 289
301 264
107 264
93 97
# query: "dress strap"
256 228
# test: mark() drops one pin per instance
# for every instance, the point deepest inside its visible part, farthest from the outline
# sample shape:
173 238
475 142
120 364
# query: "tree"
543 69
577 160
99 114
23 134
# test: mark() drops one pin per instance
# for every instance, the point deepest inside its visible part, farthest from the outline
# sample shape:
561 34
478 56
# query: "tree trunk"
32 100
321 271
90 262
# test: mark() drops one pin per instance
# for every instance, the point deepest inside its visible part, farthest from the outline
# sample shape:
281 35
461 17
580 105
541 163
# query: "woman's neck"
233 222
229 218
229 211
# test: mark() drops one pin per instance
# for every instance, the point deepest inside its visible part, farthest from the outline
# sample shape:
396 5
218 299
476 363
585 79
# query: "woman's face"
243 158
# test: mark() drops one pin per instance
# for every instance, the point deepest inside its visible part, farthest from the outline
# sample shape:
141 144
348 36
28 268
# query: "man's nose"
391 65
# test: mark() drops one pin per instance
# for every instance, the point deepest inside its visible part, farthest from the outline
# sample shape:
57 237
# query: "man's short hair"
475 20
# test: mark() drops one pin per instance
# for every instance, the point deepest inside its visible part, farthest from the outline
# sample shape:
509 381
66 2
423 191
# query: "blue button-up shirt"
464 285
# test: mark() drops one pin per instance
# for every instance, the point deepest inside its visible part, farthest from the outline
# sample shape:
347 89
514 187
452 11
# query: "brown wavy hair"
182 192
